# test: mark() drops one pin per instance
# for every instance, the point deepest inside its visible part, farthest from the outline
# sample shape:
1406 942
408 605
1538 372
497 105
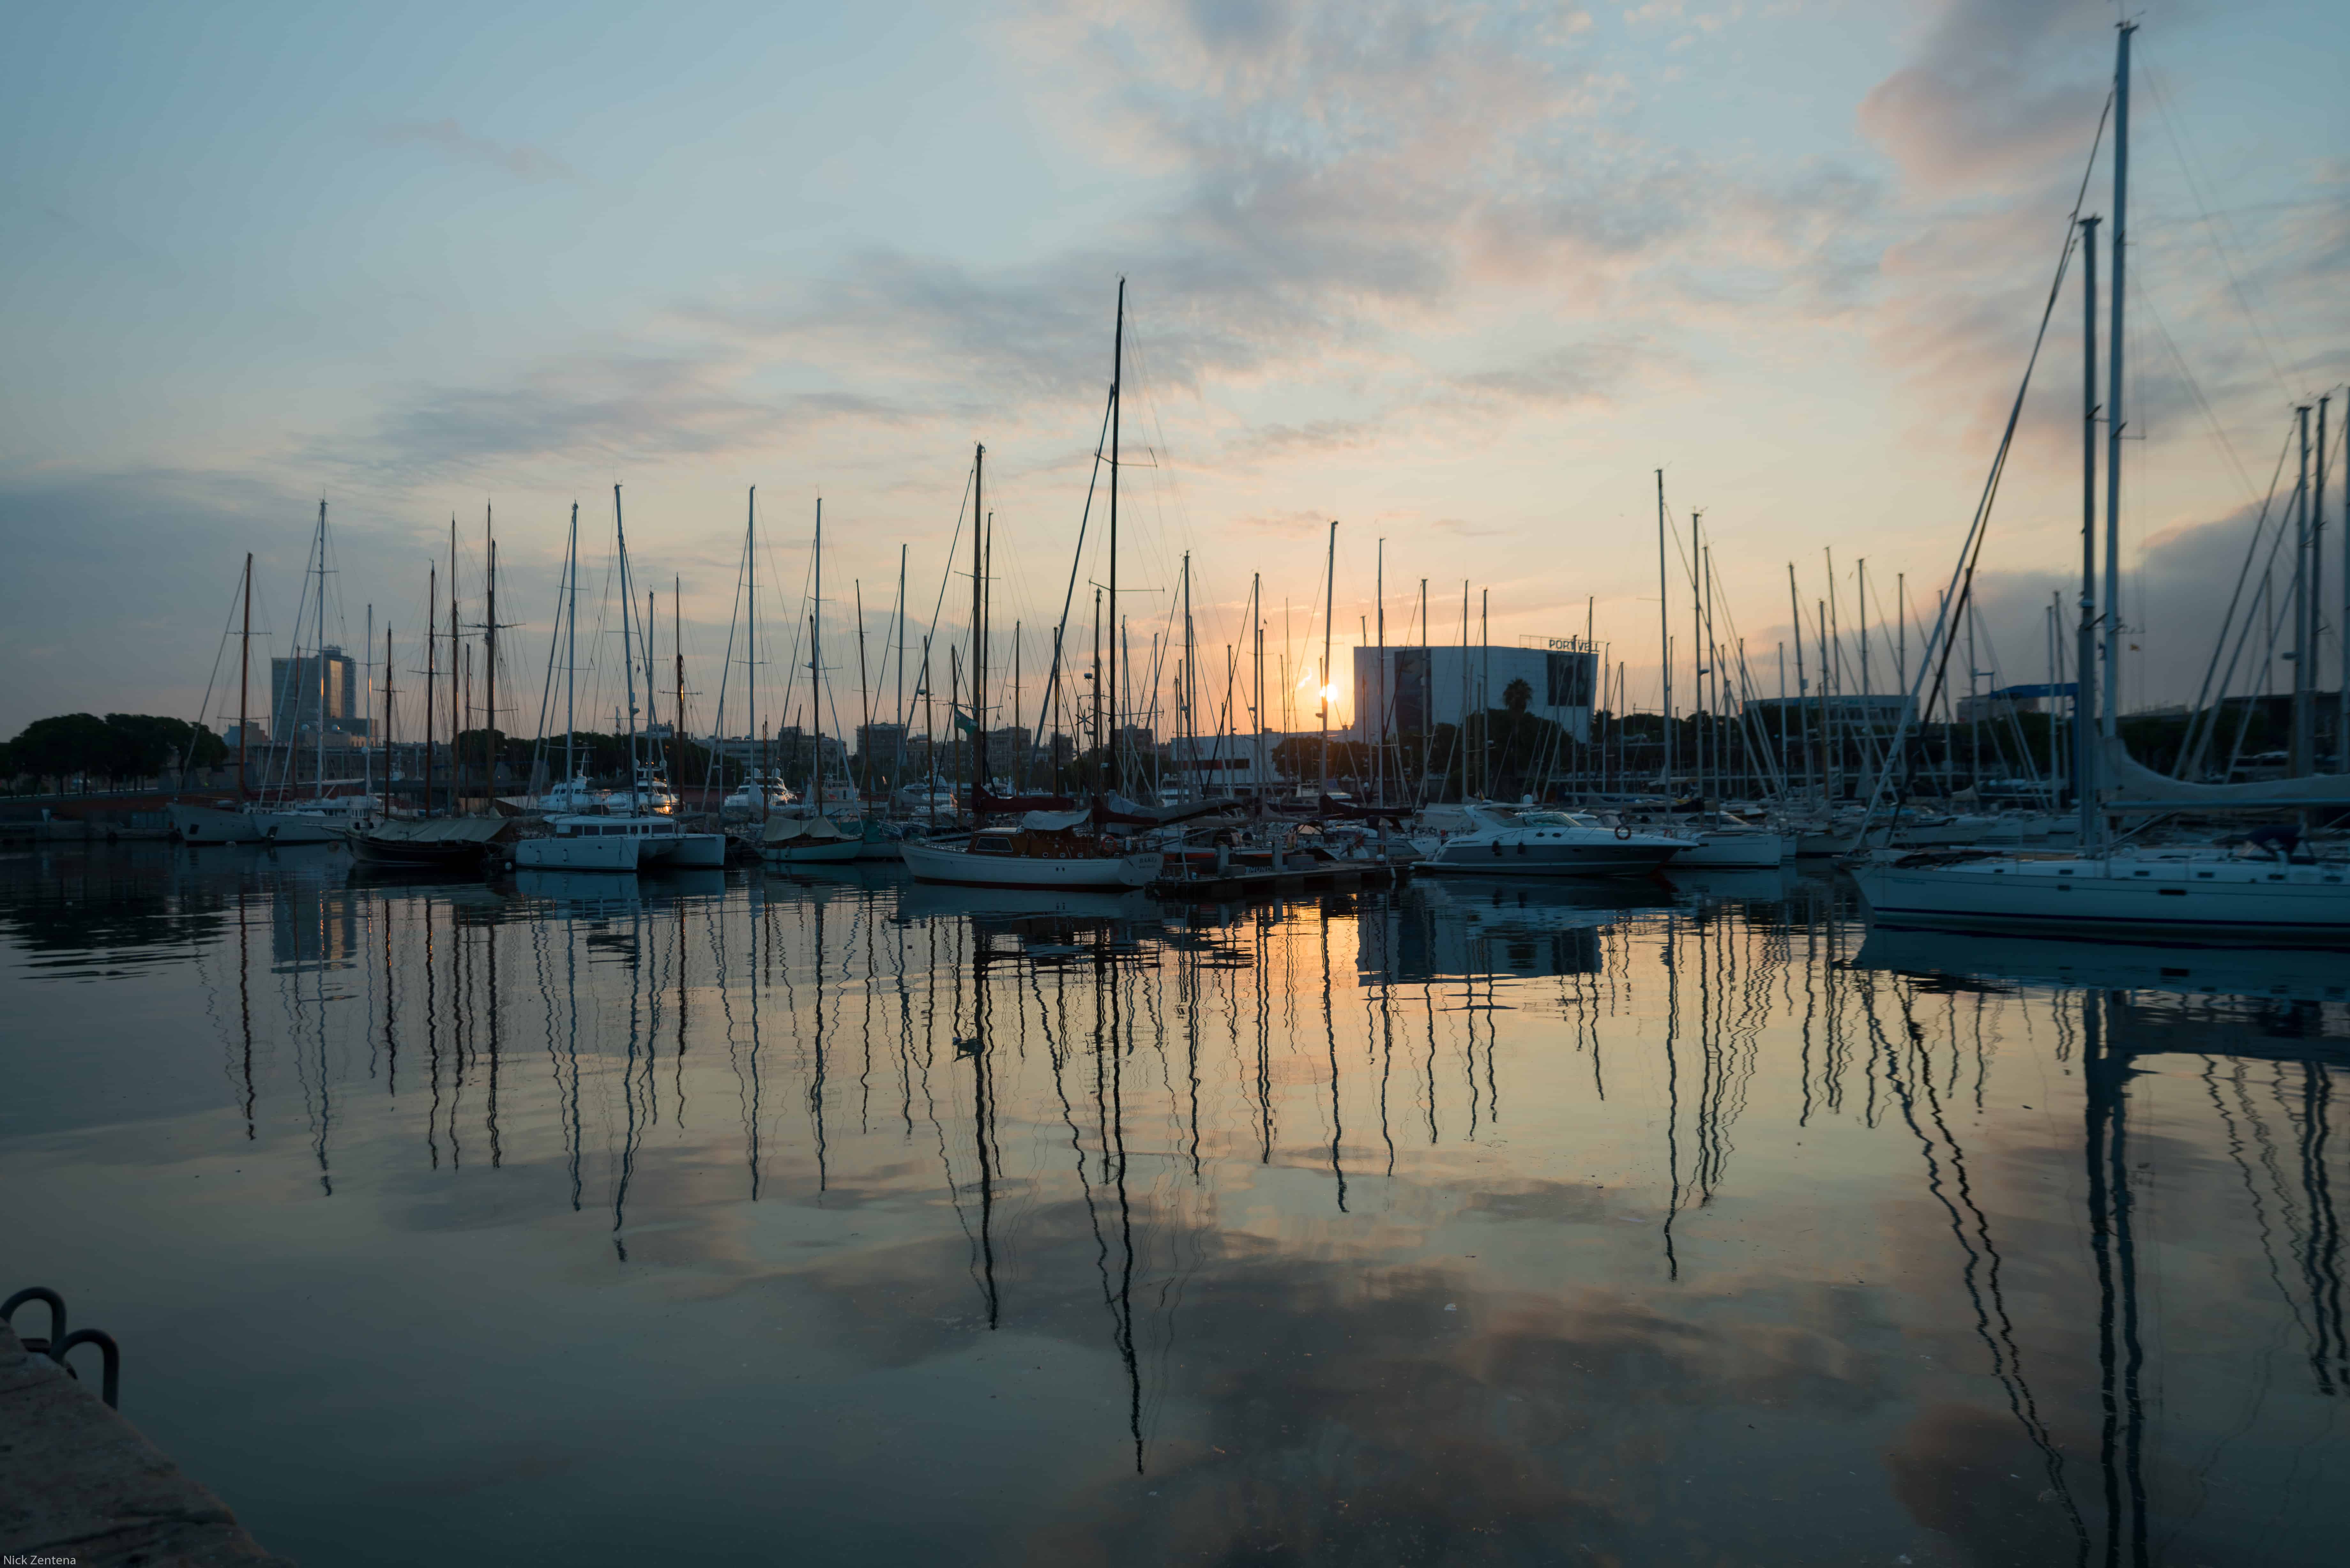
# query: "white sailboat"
638 834
2196 893
810 837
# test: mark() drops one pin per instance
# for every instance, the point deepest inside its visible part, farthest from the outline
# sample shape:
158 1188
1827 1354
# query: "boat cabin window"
991 845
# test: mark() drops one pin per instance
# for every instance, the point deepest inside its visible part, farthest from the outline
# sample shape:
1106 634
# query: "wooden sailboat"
1047 849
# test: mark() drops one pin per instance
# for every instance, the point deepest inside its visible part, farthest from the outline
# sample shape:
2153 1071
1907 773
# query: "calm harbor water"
760 1219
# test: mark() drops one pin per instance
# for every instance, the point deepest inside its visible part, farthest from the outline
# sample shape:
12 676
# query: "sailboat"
812 838
638 834
2279 896
1050 848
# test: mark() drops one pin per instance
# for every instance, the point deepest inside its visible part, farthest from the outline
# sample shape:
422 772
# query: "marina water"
831 1218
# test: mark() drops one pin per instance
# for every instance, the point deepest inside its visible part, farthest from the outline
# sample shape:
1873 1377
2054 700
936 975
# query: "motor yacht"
1543 843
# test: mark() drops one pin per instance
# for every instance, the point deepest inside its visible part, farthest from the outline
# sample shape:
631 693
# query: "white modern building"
1408 691
1223 764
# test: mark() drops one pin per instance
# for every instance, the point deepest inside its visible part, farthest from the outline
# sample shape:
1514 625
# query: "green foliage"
117 748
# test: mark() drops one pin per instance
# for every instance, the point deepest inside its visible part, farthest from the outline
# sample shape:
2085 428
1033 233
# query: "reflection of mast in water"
1386 1005
982 1107
1115 1134
2321 1251
1672 1093
490 943
391 1004
677 1066
1264 1043
432 1037
1971 1227
1330 1034
244 1005
2104 1073
629 1084
815 1079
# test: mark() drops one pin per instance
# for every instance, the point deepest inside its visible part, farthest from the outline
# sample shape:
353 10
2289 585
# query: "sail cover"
1055 821
2130 783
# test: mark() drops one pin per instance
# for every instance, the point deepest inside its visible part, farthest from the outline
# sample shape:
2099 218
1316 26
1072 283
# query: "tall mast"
2084 655
898 764
816 657
979 624
244 680
366 757
865 690
1116 401
490 657
751 554
2341 725
677 651
1379 765
390 712
432 668
2114 426
1329 605
571 655
456 710
2302 650
319 652
1803 749
628 643
1256 626
1697 657
1665 634
2317 578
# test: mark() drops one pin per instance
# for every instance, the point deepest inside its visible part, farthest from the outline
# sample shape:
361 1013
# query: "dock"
79 1485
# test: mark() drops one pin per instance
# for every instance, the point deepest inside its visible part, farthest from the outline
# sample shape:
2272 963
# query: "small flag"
965 723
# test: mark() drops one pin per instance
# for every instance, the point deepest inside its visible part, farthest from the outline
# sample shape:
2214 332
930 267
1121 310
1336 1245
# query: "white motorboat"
573 796
2206 895
930 800
1717 841
1544 844
760 794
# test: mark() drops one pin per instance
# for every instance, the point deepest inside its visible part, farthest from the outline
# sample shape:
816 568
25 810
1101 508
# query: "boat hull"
811 852
684 851
290 827
2221 900
214 824
961 868
1732 852
574 853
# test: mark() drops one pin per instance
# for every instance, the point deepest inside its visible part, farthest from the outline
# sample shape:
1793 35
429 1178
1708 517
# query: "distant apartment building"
1223 764
303 687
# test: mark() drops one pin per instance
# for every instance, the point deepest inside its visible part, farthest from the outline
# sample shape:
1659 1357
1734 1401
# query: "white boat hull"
1732 852
2215 897
300 827
811 852
960 868
684 851
577 854
214 824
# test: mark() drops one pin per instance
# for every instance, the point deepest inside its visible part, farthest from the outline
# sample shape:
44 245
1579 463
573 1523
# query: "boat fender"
1622 831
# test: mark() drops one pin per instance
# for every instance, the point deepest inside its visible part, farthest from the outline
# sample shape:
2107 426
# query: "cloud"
519 159
1999 90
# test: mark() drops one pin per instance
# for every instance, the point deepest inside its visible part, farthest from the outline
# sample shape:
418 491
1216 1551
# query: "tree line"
120 748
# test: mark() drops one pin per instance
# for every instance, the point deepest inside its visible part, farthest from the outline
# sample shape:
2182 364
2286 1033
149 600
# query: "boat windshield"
1557 819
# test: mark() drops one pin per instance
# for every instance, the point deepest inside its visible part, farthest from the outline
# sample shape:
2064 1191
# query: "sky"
1460 277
